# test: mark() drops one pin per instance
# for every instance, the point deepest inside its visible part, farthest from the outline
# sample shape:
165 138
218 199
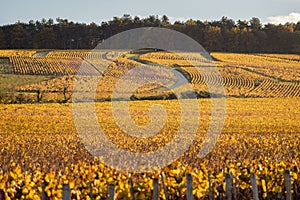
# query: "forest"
224 35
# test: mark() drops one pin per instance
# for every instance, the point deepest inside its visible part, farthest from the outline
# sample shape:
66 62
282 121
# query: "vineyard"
275 67
9 53
51 66
242 75
177 58
56 63
251 142
41 151
246 75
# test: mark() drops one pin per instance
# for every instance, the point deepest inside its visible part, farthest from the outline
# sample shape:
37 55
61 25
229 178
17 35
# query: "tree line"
224 35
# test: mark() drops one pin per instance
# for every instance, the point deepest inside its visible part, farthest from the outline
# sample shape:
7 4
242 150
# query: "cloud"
292 17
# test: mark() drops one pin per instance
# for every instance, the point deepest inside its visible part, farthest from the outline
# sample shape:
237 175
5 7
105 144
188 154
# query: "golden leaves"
48 150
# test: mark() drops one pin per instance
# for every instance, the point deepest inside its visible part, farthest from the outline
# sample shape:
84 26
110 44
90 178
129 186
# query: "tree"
227 23
213 39
93 35
50 22
190 22
136 20
165 20
152 21
296 43
2 40
66 93
45 39
262 40
242 24
127 20
230 42
255 24
297 27
280 38
44 21
220 35
39 96
178 23
247 41
19 36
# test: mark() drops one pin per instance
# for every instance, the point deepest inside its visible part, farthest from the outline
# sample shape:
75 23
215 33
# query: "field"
39 142
241 75
35 140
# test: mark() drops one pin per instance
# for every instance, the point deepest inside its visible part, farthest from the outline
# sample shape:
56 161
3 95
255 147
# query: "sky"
87 11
